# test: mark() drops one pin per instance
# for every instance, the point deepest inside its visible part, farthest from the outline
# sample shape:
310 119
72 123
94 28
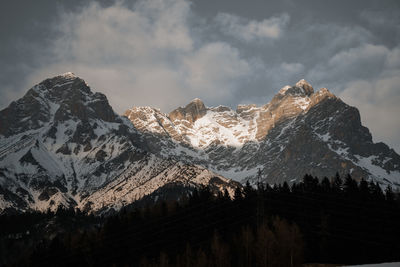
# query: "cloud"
381 18
368 77
284 74
267 80
208 77
378 102
316 43
365 62
145 54
252 30
292 68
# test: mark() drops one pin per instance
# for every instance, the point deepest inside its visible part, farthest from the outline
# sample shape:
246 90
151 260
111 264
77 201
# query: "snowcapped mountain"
62 144
300 131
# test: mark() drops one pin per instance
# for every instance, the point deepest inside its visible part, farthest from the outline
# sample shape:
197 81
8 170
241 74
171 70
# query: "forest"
337 220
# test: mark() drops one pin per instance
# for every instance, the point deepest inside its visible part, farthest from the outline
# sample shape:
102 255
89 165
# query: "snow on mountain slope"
300 131
150 174
62 144
221 124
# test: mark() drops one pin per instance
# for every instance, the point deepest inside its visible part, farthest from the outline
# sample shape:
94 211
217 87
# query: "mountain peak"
68 75
308 89
66 83
301 88
284 89
323 93
197 100
55 99
191 112
196 106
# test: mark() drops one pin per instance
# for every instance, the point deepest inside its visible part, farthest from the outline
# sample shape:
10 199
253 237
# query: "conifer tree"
238 194
337 183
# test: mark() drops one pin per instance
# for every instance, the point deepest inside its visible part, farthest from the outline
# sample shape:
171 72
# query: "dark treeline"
20 233
328 221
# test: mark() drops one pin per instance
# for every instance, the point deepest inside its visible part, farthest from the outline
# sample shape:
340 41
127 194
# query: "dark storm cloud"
225 52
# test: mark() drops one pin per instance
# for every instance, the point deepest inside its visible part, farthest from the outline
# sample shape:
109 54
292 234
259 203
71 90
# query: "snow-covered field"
387 264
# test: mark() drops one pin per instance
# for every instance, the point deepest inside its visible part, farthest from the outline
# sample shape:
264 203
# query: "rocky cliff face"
300 131
62 144
191 112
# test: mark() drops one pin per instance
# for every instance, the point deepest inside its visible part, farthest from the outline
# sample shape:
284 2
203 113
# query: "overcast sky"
163 53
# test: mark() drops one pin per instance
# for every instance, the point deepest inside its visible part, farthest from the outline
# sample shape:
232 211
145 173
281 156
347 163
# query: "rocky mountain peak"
57 99
326 92
69 74
302 88
308 89
197 100
191 112
321 95
196 105
284 89
63 85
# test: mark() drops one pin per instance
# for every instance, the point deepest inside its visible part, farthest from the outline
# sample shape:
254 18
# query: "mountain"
299 131
62 144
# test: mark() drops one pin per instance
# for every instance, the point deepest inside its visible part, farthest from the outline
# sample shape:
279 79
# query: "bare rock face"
299 131
29 106
305 86
191 112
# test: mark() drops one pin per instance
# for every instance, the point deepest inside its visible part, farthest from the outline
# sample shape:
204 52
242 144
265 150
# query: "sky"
164 53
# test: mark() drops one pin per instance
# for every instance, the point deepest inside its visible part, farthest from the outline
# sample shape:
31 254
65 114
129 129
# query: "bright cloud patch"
145 53
378 102
252 30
